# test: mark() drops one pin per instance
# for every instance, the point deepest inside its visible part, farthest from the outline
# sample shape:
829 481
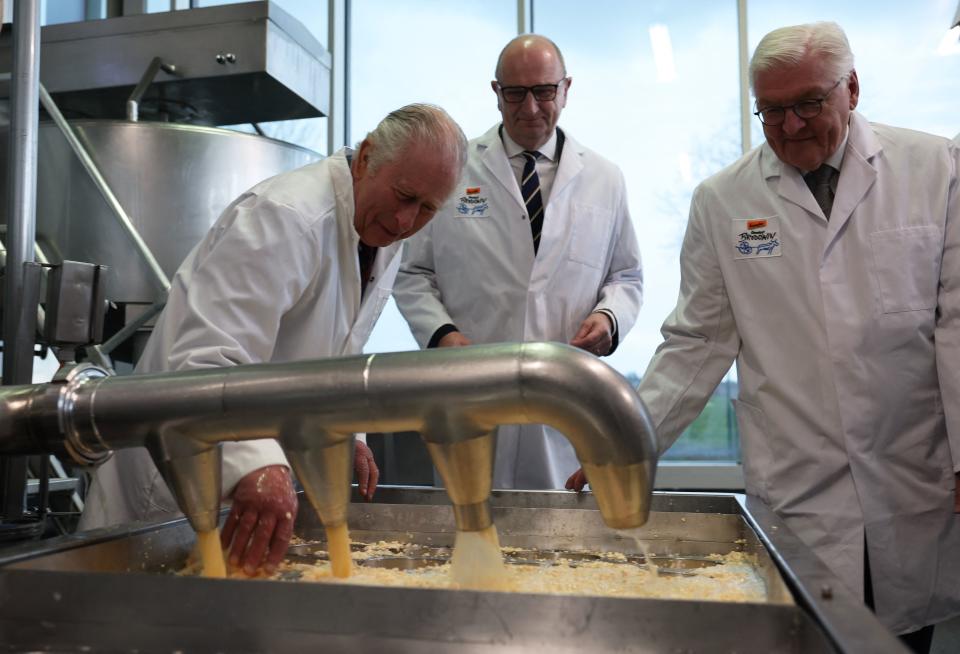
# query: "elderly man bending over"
299 267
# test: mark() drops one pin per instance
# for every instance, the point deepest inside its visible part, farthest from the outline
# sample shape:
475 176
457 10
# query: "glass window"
424 51
62 11
905 58
658 95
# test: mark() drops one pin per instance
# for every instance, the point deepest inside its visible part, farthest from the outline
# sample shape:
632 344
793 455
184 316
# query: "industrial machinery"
84 591
132 171
453 397
131 198
125 170
112 590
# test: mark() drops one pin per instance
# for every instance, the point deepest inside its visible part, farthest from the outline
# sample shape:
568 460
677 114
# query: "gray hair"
563 65
789 45
417 123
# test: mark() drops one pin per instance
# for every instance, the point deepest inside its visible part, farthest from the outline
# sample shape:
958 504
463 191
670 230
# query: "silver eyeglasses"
806 109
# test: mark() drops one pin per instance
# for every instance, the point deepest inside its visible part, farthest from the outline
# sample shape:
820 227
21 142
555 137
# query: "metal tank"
172 180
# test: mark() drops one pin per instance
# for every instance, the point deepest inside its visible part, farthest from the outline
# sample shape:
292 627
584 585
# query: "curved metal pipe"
450 396
133 102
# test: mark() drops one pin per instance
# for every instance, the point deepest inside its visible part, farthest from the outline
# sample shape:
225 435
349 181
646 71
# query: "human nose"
792 123
529 104
406 216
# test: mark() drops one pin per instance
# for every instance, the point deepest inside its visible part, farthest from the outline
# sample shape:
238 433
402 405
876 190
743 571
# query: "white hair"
789 45
417 123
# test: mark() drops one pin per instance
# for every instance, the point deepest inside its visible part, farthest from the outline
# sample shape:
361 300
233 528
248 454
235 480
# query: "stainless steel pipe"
451 396
18 319
22 187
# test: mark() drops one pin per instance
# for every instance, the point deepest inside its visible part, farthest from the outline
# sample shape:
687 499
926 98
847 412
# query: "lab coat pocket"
590 235
907 266
755 448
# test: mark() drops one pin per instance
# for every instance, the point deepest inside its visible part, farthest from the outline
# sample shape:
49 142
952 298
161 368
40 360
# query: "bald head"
530 45
531 67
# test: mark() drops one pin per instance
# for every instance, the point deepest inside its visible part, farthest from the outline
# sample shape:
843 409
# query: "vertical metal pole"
337 121
347 82
21 227
745 114
524 16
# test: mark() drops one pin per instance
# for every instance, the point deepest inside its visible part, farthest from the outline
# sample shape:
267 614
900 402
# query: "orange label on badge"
473 190
756 224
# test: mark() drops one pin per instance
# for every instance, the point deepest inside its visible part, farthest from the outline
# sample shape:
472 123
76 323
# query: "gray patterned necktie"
819 183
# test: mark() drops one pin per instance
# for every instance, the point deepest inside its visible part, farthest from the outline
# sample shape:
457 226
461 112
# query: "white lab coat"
276 279
474 266
847 344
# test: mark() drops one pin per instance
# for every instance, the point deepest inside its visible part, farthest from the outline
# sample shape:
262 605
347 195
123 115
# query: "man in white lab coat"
839 299
536 244
299 267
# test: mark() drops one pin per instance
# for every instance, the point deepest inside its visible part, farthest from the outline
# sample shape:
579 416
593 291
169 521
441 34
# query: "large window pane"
655 89
906 61
424 51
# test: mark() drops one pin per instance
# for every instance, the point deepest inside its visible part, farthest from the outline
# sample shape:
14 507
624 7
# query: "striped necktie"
819 183
530 189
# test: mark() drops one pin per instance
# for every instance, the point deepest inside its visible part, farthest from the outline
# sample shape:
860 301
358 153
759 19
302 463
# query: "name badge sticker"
472 203
757 237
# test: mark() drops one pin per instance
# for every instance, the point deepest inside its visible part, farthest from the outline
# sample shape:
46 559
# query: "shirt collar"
548 150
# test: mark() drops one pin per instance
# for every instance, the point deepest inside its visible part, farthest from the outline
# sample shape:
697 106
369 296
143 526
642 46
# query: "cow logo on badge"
756 237
472 203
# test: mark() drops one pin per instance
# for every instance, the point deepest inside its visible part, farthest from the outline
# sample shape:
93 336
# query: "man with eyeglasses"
536 244
826 263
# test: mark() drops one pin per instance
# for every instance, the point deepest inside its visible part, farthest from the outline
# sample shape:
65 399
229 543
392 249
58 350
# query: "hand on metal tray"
577 481
366 470
261 520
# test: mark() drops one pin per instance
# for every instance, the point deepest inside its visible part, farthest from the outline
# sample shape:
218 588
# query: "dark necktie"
530 190
819 183
366 255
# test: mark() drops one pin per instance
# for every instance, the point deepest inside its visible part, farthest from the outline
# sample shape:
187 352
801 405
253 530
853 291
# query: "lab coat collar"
548 150
857 174
493 155
571 165
349 239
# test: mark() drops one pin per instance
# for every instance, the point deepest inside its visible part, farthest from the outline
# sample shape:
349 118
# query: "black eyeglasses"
806 109
541 92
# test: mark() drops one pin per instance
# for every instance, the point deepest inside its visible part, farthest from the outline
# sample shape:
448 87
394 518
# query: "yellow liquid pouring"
477 562
338 548
635 534
211 555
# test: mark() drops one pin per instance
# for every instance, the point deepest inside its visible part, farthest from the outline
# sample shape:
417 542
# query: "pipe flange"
73 377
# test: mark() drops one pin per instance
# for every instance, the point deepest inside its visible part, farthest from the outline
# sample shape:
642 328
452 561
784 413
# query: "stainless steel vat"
173 181
66 595
235 63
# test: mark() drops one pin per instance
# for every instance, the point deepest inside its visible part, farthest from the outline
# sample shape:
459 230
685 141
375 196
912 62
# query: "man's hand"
366 470
595 334
577 481
261 520
454 339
